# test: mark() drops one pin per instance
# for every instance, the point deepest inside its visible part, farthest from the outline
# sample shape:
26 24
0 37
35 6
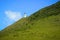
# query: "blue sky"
13 10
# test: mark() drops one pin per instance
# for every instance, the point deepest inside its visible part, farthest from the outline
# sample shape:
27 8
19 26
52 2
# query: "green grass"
42 25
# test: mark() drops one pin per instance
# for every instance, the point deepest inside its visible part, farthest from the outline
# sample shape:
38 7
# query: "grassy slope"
42 25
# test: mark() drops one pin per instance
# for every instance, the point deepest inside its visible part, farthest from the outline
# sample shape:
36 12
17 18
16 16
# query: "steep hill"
42 25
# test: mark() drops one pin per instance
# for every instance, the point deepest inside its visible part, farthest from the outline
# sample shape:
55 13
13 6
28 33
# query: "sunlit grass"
42 25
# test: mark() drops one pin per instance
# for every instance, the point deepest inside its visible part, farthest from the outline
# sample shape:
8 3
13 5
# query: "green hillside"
41 25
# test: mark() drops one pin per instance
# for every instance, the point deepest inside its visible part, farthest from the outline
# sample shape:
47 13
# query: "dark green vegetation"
42 25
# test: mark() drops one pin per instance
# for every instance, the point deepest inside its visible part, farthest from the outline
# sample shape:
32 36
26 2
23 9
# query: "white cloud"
13 15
